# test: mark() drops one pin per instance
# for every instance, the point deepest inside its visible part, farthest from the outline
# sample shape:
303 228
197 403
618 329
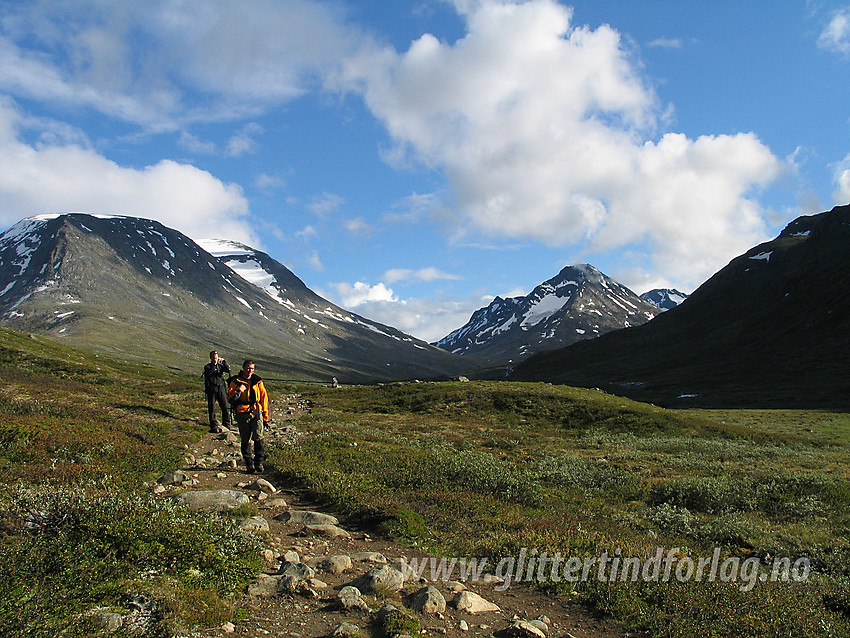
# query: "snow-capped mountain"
664 298
134 287
579 303
771 329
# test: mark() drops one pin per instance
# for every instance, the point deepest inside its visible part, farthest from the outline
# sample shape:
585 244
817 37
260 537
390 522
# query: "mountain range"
578 303
135 288
664 298
772 328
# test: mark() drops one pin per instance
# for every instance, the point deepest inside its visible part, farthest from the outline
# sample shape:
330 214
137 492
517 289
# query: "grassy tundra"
78 436
494 470
482 470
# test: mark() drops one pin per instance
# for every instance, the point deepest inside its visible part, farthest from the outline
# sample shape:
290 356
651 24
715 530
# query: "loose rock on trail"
326 577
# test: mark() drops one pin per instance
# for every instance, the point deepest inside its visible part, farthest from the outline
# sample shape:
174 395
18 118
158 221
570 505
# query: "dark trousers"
218 395
251 432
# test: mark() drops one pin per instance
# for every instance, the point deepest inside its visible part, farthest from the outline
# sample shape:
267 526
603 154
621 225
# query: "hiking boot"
260 467
249 469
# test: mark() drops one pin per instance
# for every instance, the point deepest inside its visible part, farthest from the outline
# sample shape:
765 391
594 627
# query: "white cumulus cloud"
359 293
61 178
545 131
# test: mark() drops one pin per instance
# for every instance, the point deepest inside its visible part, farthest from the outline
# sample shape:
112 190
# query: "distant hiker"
215 389
250 404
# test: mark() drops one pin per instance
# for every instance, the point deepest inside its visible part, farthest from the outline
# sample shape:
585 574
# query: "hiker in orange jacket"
250 408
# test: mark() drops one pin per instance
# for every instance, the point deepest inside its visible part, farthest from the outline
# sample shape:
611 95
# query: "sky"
410 160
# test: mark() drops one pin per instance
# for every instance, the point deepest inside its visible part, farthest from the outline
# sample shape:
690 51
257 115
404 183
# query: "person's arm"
263 399
233 389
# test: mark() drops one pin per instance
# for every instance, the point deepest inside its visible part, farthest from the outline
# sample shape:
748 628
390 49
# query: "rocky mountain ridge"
664 298
578 303
135 288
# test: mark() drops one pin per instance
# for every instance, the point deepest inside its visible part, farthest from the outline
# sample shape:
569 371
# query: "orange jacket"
253 392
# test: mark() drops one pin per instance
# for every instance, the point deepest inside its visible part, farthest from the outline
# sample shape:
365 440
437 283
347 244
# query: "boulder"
350 599
264 587
304 517
525 629
472 603
212 500
330 531
381 577
255 524
332 564
347 630
428 600
174 478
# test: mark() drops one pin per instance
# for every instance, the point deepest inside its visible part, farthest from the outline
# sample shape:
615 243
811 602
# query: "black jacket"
214 375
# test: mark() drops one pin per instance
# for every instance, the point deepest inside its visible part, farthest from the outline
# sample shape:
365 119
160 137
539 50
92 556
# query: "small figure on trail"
250 404
216 391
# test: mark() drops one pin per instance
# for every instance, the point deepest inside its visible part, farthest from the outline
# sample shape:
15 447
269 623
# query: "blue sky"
411 159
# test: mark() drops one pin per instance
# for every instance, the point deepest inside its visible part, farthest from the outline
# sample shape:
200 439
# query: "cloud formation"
544 132
63 178
423 274
148 62
426 319
359 293
836 35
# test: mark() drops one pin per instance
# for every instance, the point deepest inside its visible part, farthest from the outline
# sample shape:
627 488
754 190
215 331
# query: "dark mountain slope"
772 328
134 288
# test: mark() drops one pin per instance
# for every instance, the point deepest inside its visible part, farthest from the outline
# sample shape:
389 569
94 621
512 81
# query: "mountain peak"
133 287
578 303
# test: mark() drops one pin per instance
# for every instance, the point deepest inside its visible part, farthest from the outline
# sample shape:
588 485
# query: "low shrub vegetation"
79 434
486 469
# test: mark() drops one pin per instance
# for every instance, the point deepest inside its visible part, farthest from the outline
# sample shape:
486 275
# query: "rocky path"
326 577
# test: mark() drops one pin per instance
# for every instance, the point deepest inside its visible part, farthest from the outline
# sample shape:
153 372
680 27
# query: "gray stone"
111 621
264 587
525 629
541 624
369 557
350 599
330 531
428 600
332 564
255 524
212 500
264 486
296 571
347 630
472 603
174 478
406 570
308 518
381 577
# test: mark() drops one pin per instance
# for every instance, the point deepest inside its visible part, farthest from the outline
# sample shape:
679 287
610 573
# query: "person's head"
247 368
213 356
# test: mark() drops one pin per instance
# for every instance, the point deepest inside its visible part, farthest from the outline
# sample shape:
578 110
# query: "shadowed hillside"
772 328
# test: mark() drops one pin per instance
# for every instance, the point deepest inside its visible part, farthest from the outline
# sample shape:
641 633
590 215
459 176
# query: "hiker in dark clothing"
215 389
250 402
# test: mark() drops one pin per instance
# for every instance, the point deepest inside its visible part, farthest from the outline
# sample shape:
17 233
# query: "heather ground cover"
489 469
79 435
